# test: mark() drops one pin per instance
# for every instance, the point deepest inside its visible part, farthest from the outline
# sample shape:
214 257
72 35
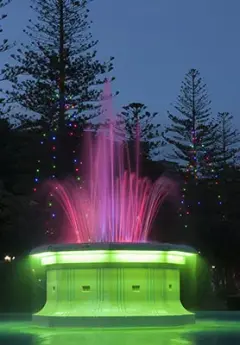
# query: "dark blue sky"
155 42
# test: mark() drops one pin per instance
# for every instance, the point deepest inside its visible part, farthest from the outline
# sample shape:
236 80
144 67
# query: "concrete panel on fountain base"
114 321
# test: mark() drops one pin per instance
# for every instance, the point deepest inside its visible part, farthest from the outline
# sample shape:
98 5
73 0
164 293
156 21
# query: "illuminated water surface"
203 333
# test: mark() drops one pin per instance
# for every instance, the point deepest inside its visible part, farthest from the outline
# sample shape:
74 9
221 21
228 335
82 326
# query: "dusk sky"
155 42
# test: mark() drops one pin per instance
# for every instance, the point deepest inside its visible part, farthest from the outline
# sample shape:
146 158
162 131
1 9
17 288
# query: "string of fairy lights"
73 127
51 137
37 180
192 170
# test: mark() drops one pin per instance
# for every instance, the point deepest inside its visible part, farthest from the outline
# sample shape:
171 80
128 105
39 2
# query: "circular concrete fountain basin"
113 284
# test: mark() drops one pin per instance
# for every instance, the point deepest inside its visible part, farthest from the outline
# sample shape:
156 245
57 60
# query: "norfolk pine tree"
227 186
57 83
61 72
137 120
192 135
228 140
226 213
191 131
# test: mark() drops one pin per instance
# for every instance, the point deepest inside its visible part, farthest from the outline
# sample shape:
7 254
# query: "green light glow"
210 330
112 256
112 292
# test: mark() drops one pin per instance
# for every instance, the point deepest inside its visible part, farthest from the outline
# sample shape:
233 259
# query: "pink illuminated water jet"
114 204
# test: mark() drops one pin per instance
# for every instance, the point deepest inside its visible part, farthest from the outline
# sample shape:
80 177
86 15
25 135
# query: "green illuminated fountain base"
113 285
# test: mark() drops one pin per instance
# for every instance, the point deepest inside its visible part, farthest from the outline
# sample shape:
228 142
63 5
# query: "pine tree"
56 81
191 132
137 120
61 72
227 146
228 140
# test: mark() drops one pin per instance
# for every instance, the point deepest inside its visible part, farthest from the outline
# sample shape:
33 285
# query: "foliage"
192 132
138 121
4 45
228 140
57 76
18 213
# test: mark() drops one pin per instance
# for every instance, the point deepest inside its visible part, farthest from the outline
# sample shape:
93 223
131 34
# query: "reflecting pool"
203 333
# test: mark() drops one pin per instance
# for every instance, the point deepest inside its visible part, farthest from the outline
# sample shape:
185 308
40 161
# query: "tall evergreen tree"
227 179
191 132
138 121
56 82
228 140
61 72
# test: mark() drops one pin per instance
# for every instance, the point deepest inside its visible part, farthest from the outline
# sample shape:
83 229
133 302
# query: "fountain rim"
113 246
112 253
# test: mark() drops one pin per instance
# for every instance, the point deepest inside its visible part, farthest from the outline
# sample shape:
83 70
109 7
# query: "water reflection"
93 339
125 338
209 334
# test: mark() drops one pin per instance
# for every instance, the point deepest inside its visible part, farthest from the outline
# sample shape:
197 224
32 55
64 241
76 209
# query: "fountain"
112 276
